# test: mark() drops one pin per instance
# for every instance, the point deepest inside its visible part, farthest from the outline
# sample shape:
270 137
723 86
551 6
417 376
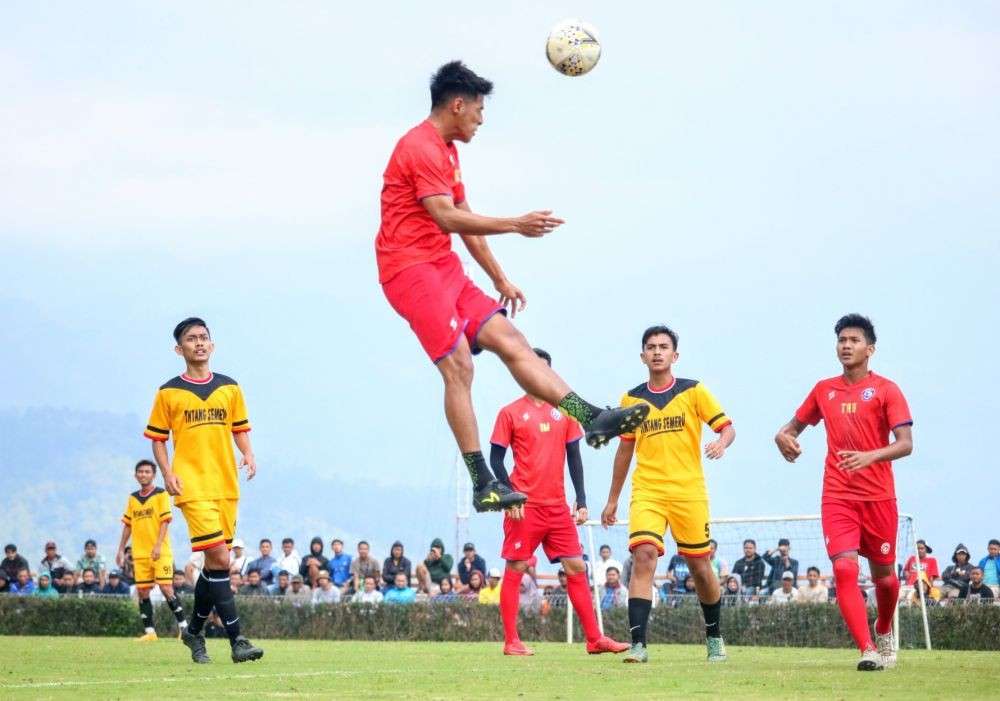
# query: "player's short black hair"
455 79
658 329
90 541
813 568
144 461
856 321
751 541
265 540
544 355
183 326
10 548
612 567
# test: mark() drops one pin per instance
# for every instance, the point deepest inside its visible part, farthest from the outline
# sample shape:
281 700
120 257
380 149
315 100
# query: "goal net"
806 546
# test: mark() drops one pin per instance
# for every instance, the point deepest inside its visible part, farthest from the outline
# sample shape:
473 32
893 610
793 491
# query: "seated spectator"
282 585
613 594
470 561
325 592
24 584
719 566
395 564
990 565
180 584
932 595
238 558
313 562
369 593
780 561
446 592
476 581
815 592
529 598
116 586
927 564
255 585
5 582
299 592
364 565
400 592
976 589
490 593
45 588
88 583
290 558
12 562
340 565
732 591
66 584
93 561
235 582
265 564
677 572
750 568
53 564
558 596
436 567
604 561
956 575
787 594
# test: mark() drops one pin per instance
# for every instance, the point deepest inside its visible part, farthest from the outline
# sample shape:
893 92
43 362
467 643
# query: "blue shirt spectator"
23 585
340 564
677 572
990 565
400 592
266 565
470 561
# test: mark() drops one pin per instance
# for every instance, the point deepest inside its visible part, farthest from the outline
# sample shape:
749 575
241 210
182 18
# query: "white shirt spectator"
368 597
329 595
290 562
601 568
818 594
782 597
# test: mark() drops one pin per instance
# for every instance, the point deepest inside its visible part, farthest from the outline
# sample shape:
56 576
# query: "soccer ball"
573 47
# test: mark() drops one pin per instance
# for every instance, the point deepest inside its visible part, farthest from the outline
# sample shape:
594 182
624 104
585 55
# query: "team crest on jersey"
867 394
833 393
885 548
556 415
525 416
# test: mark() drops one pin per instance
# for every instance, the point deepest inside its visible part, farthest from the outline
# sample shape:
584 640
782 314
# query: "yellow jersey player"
668 486
146 519
205 413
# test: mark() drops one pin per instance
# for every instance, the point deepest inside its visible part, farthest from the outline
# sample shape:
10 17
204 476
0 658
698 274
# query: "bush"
952 627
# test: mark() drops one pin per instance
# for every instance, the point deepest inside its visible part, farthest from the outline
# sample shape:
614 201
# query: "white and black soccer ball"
573 47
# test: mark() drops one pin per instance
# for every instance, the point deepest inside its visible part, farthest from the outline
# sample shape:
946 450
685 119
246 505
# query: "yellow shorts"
688 521
149 572
210 523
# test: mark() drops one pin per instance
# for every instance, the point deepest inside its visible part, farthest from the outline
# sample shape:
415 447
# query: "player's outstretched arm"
853 460
249 462
623 459
457 220
787 439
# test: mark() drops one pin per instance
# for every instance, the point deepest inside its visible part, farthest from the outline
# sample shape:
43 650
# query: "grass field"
120 668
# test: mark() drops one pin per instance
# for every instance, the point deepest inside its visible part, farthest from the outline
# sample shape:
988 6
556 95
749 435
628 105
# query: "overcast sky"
748 172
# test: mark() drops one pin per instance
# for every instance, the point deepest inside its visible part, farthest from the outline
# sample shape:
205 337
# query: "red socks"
852 604
887 595
510 594
579 594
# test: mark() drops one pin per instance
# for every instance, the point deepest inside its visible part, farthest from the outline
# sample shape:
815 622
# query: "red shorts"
552 526
869 527
441 303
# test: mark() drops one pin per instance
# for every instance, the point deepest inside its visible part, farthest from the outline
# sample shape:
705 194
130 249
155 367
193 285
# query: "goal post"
803 531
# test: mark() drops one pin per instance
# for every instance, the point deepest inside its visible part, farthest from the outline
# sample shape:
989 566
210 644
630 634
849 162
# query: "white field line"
193 677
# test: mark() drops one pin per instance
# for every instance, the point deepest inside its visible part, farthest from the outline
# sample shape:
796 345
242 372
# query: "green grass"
120 668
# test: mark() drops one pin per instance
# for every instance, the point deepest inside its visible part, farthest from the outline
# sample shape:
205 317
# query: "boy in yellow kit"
206 413
668 486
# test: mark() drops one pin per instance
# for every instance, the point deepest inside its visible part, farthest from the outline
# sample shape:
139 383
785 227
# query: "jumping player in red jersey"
543 440
423 202
859 409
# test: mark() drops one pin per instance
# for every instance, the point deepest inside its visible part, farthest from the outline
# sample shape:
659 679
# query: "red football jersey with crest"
539 434
858 417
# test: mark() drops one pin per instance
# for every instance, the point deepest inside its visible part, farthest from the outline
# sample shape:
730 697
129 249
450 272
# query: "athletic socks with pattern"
225 604
178 610
146 614
202 603
574 405
712 614
638 617
475 463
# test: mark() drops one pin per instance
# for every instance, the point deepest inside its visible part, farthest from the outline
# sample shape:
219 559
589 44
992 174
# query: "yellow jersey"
668 443
202 415
144 513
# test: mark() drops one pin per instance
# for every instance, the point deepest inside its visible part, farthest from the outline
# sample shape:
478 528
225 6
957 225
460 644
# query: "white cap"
495 572
238 543
788 575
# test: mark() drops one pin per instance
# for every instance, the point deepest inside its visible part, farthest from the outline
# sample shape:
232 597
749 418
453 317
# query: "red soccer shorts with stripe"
550 526
868 527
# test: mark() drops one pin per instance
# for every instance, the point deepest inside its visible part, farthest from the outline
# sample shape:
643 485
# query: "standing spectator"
265 564
281 586
12 562
490 594
731 594
45 588
990 565
180 583
446 592
238 558
325 592
24 584
613 594
787 593
255 585
93 561
313 562
977 589
369 593
89 584
66 584
117 587
340 565
436 567
475 587
470 561
815 592
395 564
299 593
750 568
364 565
677 572
927 564
604 561
956 575
53 564
400 592
780 561
290 558
720 566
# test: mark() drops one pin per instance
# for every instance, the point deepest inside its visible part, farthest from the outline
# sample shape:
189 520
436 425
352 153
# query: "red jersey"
421 165
539 434
857 417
